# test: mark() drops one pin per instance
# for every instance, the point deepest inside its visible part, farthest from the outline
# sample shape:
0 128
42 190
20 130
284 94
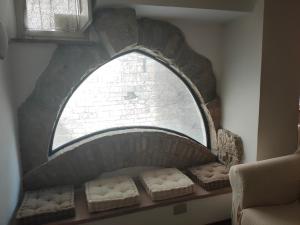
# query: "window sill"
83 216
53 41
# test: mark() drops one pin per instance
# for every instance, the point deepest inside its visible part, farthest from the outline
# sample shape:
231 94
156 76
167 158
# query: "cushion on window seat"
43 206
109 193
210 176
166 183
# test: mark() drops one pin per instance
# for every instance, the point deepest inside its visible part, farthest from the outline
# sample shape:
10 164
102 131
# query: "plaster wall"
9 158
199 212
240 81
280 80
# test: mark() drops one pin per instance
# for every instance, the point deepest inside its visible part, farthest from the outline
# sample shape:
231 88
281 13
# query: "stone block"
230 148
89 158
117 28
160 37
214 108
199 70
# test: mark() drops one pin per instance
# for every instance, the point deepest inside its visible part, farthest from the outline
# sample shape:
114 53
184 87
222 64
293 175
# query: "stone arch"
90 157
118 30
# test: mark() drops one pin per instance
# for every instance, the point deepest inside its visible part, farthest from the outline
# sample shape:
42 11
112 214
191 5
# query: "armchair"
267 192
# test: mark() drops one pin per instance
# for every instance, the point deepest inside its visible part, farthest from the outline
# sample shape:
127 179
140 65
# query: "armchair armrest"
268 182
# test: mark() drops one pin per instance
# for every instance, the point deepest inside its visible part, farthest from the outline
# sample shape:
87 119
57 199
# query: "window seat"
83 216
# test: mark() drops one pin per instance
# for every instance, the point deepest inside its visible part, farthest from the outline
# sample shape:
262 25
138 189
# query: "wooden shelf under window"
83 216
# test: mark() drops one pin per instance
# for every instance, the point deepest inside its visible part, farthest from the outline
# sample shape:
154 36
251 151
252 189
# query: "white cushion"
166 183
47 205
108 193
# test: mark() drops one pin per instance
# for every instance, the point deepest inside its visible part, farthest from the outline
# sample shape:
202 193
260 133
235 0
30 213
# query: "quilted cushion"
47 205
211 176
166 183
108 193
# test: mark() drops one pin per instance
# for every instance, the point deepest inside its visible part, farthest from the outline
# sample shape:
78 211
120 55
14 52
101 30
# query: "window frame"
52 151
82 35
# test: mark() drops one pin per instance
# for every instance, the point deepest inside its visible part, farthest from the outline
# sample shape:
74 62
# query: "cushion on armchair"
286 214
43 206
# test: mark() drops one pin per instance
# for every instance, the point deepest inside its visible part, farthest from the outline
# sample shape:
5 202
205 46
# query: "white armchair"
267 192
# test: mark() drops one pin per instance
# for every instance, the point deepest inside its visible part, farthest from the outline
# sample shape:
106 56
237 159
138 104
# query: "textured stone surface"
117 28
128 148
199 70
38 114
166 41
230 148
120 32
160 37
214 108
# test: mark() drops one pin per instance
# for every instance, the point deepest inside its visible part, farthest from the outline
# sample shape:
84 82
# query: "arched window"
131 90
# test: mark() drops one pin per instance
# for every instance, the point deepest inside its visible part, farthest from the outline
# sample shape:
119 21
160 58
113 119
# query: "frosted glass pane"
53 15
132 90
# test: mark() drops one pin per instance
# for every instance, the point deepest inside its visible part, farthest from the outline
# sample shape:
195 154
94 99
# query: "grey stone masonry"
117 28
115 150
119 31
230 148
37 116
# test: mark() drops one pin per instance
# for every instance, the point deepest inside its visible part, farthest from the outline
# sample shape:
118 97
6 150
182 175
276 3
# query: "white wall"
240 81
9 157
280 80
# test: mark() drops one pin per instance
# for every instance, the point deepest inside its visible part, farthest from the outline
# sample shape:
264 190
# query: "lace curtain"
53 15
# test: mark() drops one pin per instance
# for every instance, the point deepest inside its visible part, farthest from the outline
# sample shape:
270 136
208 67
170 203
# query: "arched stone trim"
119 31
115 150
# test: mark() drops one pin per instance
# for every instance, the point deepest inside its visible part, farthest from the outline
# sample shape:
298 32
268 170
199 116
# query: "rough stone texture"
128 148
230 148
117 28
214 108
38 114
160 37
120 32
165 41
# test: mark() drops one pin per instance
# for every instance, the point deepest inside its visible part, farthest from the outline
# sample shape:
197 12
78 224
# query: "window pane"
54 15
131 90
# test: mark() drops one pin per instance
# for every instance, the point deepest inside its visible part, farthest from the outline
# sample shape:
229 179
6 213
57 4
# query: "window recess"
53 19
